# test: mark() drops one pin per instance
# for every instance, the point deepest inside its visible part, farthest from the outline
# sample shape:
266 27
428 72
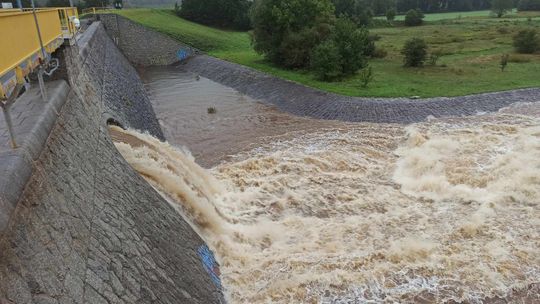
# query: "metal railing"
29 36
21 49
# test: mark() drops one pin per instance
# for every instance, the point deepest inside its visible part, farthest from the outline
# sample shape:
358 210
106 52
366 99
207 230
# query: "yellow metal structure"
20 51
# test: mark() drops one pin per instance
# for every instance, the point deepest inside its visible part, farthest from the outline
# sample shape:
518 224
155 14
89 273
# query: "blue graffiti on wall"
182 54
210 264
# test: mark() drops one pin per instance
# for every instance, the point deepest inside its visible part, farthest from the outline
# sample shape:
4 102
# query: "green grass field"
472 47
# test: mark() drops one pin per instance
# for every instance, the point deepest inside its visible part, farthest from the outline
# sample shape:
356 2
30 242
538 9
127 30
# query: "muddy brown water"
303 210
181 101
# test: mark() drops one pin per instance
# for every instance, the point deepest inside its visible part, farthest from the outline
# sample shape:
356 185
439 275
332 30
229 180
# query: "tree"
222 13
501 7
391 14
360 11
354 45
286 31
58 3
415 52
96 3
414 17
25 3
527 41
529 5
326 61
344 53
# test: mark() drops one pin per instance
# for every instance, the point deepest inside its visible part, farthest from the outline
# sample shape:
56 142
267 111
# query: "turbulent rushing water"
446 210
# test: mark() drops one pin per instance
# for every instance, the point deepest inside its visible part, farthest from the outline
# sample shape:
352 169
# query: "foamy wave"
374 213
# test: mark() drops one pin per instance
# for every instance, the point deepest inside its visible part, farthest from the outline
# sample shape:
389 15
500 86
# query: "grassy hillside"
472 48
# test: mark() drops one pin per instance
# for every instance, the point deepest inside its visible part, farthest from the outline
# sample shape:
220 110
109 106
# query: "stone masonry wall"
143 46
88 228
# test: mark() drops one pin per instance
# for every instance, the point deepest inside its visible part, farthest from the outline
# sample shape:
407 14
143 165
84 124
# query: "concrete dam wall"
87 228
143 46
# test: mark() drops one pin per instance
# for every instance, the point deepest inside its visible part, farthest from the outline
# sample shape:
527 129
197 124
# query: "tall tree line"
380 7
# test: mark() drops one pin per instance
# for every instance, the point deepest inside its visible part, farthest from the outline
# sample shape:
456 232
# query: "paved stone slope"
143 46
304 101
88 228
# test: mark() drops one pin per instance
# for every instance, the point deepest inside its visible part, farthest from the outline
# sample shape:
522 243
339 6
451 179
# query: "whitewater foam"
438 211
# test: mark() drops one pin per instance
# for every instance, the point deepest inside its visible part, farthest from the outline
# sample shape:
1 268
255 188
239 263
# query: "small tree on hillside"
415 52
391 14
414 17
501 7
366 76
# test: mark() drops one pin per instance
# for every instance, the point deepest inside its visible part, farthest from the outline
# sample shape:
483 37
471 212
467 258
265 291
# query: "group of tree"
529 5
380 7
307 34
220 13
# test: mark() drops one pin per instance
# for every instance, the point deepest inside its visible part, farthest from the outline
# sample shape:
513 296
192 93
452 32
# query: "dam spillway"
412 214
89 229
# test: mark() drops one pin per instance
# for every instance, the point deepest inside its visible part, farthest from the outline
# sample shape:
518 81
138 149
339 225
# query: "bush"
414 17
366 76
326 61
434 57
391 14
415 52
379 53
503 30
515 58
286 31
527 41
504 62
296 47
